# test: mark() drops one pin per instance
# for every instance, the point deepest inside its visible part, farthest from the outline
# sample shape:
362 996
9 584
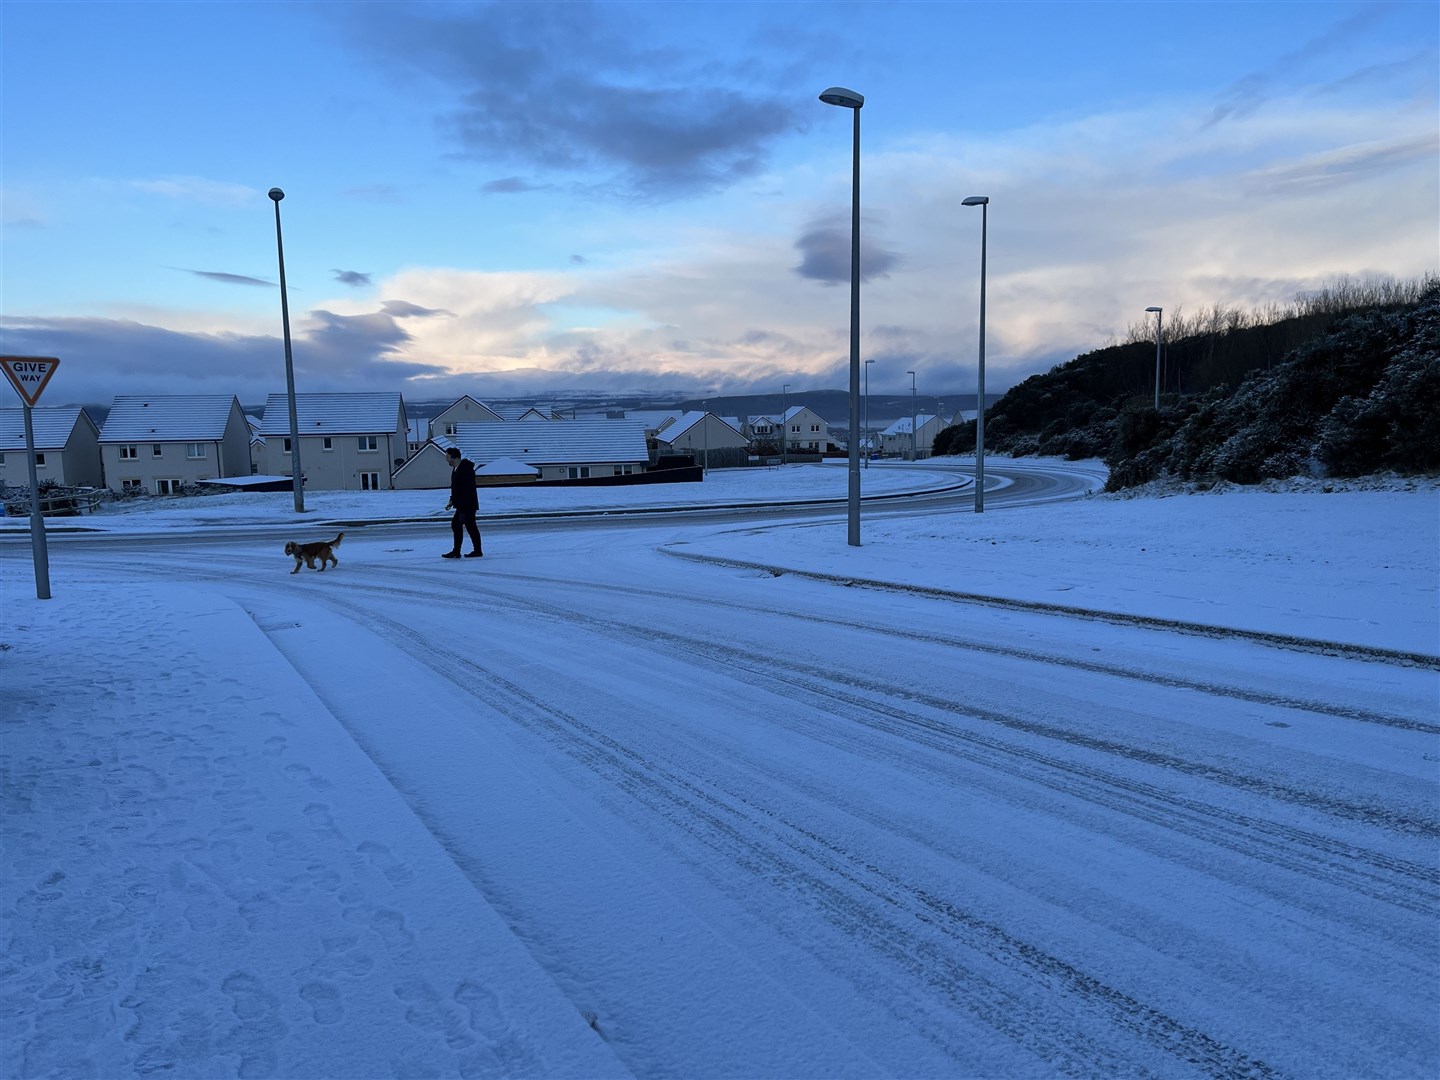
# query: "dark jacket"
463 495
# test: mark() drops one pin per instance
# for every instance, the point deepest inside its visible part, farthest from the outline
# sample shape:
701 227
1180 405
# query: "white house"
895 440
575 449
465 411
348 442
165 443
67 448
805 430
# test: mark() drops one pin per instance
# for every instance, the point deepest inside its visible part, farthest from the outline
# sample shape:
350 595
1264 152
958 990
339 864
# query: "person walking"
465 501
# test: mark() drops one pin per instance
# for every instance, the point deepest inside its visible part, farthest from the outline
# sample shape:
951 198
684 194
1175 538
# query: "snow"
1100 786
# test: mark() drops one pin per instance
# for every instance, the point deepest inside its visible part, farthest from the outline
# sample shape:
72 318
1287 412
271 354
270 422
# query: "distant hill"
1355 390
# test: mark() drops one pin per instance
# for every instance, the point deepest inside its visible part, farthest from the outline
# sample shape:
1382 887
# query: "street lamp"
1159 314
869 439
982 201
297 479
913 455
784 422
849 99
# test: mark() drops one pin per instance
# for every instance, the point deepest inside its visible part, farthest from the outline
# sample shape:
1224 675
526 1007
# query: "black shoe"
474 554
451 555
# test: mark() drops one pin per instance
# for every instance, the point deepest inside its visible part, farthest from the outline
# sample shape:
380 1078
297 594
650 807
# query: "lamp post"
913 455
982 201
849 99
784 422
1159 314
297 478
869 439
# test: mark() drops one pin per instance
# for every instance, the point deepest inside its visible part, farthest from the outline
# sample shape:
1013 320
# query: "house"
426 469
655 420
348 442
528 412
709 439
805 431
505 471
895 440
574 450
67 448
465 411
165 443
257 442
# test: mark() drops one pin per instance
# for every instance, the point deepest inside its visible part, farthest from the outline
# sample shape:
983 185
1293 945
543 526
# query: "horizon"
494 199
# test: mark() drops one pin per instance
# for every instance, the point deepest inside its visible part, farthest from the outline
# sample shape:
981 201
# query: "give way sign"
29 374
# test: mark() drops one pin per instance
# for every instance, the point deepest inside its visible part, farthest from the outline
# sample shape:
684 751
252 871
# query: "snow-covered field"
1140 786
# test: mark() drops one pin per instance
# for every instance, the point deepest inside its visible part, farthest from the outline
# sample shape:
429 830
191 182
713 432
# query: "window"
167 487
2 461
795 429
449 429
369 481
368 443
156 450
814 427
129 485
327 444
195 451
128 453
39 460
624 470
285 444
577 472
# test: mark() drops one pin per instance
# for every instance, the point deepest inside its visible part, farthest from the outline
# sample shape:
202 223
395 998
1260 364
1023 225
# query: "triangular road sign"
29 374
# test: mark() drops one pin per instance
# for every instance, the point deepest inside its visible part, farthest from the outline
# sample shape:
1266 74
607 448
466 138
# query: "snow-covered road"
755 825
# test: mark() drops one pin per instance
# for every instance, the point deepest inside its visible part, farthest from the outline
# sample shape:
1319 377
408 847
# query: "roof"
902 426
168 418
793 409
333 414
52 427
686 422
506 467
573 442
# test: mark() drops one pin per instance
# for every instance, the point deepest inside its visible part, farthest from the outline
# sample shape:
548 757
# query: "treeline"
1343 382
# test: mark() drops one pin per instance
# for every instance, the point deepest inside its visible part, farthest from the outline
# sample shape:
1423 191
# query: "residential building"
165 443
348 442
574 450
895 440
709 439
806 431
67 448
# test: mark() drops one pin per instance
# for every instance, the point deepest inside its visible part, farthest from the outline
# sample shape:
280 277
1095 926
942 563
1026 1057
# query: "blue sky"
509 199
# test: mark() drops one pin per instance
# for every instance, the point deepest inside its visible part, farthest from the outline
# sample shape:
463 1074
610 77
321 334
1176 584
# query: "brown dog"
308 553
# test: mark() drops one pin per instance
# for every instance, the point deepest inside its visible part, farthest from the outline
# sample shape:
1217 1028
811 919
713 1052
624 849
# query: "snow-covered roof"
506 467
685 423
52 427
654 419
333 414
902 426
575 441
168 418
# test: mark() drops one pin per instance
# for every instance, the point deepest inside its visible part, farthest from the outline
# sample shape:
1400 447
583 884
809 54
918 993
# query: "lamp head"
1155 309
846 99
276 194
976 200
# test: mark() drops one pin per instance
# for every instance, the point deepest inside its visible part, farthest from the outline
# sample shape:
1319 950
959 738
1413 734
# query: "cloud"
401 309
578 260
826 249
354 278
1347 165
229 279
510 185
568 88
198 189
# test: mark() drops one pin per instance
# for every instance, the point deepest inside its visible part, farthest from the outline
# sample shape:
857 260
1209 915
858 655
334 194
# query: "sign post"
29 374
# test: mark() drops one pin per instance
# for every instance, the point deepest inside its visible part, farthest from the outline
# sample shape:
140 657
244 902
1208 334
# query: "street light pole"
913 455
1159 314
849 99
869 439
982 201
297 478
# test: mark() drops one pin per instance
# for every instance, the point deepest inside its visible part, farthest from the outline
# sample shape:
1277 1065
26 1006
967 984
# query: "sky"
536 199
599 811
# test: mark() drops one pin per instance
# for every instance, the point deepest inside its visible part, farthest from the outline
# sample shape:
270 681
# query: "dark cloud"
228 279
104 357
353 278
1352 164
403 309
571 88
510 185
579 260
825 252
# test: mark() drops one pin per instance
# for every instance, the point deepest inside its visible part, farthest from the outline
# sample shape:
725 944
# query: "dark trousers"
464 522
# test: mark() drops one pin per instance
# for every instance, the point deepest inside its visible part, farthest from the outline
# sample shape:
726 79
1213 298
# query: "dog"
308 553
